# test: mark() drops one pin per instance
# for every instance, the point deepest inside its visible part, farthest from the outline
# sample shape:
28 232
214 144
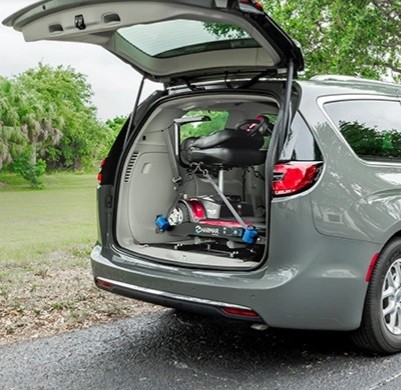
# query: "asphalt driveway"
169 351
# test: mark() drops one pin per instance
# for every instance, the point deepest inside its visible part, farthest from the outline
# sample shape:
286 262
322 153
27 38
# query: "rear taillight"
251 6
294 177
100 174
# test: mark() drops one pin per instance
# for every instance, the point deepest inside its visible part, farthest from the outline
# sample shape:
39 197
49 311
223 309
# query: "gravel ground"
48 301
170 351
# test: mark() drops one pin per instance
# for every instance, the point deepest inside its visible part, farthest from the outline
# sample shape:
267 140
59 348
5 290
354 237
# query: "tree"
48 113
358 38
65 96
12 144
116 124
23 130
13 140
26 129
37 119
26 123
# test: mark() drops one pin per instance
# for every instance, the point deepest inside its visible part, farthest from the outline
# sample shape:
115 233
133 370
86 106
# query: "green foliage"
12 144
67 96
218 122
358 38
116 124
32 173
114 127
47 112
27 124
12 140
227 31
370 143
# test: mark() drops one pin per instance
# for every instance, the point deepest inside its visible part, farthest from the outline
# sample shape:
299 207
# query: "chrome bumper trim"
177 297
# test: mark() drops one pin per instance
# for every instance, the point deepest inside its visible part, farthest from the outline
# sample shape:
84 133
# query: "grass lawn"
36 223
46 236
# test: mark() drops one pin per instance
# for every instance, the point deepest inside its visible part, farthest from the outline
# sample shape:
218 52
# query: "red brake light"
294 177
100 174
197 210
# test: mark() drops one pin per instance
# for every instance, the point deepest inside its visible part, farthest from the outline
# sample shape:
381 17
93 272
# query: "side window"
300 144
371 127
218 122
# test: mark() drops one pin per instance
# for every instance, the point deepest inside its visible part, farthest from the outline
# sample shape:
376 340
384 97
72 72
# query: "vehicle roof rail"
351 79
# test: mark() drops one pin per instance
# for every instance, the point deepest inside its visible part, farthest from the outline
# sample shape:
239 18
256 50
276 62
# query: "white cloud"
115 83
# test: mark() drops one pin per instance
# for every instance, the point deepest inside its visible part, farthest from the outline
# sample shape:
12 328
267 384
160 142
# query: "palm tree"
12 139
26 123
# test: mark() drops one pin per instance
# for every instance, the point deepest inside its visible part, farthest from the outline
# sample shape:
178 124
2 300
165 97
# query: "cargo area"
222 150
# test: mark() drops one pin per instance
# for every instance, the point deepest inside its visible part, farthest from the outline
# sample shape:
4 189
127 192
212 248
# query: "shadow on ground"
172 350
233 352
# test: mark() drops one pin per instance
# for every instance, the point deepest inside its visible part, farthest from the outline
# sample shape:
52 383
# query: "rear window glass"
300 144
371 127
182 37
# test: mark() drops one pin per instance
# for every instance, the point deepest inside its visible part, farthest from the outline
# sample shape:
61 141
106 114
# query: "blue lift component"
162 223
250 236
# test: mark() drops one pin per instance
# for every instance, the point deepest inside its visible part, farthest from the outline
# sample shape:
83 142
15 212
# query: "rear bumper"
315 293
176 301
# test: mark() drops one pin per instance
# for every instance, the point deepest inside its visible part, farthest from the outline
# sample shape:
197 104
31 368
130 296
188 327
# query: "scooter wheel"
179 215
186 215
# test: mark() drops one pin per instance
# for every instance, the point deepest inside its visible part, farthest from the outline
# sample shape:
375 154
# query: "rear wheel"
380 329
179 215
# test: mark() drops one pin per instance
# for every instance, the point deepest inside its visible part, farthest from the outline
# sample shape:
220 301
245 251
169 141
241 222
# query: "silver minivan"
236 190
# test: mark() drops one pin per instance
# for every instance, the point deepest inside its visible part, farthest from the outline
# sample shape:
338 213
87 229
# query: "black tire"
373 335
185 212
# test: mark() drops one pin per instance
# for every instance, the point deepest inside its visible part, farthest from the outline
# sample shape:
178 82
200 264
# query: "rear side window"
300 144
218 122
371 127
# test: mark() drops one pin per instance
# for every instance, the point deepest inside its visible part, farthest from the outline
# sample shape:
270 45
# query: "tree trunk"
33 154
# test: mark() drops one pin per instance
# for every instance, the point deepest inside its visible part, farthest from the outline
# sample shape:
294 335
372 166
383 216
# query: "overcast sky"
114 83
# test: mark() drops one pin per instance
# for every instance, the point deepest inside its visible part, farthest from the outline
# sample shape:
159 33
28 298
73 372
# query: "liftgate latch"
80 22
